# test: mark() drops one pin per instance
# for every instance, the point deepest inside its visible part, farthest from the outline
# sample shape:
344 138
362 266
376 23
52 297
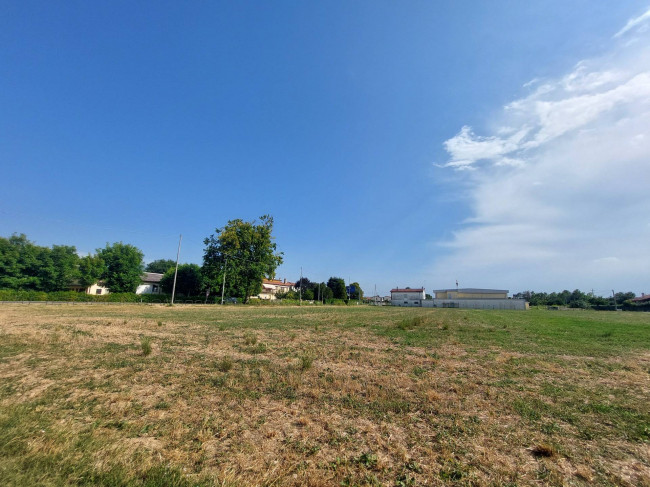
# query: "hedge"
73 296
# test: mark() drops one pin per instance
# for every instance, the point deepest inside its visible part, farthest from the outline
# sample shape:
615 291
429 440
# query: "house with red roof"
271 287
407 296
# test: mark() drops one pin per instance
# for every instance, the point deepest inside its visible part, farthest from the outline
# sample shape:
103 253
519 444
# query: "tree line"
572 299
324 292
27 266
236 258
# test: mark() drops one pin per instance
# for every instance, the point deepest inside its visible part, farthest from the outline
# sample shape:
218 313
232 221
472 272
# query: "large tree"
250 253
160 266
337 285
91 269
124 267
59 267
24 265
188 280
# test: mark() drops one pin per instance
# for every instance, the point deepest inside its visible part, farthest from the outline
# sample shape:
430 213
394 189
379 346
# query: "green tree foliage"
160 266
249 249
66 260
575 299
188 280
337 285
91 269
124 267
357 290
24 265
323 293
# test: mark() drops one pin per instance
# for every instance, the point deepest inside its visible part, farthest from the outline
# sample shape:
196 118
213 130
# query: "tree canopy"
124 267
91 269
250 252
358 292
188 280
25 265
160 266
337 285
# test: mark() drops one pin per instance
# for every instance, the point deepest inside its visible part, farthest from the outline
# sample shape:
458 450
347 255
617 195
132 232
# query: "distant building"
98 288
377 300
407 297
270 287
644 298
474 298
471 293
150 283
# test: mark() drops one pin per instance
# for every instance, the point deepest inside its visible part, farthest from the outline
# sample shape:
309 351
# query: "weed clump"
410 323
160 323
145 346
250 339
225 364
306 361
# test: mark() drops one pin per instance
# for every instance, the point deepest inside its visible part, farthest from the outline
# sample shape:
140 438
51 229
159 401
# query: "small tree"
123 272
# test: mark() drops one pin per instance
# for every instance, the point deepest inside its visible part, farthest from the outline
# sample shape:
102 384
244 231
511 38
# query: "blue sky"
394 143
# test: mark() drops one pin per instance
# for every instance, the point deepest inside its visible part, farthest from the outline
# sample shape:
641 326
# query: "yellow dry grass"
368 410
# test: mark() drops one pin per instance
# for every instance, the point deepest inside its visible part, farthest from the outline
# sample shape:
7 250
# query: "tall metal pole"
178 253
223 283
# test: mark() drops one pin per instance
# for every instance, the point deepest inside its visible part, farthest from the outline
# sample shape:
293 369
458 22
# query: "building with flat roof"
471 293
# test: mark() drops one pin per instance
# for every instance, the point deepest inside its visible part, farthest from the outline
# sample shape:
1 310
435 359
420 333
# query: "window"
154 288
98 291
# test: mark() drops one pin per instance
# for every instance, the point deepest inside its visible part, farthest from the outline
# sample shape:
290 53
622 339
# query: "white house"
407 297
150 283
270 287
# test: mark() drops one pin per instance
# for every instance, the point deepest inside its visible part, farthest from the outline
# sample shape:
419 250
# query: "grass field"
147 395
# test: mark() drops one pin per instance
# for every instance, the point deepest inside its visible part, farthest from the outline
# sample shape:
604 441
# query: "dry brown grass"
241 396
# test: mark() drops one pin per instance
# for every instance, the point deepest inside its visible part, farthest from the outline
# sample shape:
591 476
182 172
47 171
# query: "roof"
151 277
278 282
473 290
645 297
420 290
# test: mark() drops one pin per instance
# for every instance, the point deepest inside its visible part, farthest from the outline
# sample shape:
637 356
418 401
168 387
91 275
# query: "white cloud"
641 20
559 190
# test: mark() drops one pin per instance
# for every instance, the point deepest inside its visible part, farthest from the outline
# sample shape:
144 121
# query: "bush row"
73 296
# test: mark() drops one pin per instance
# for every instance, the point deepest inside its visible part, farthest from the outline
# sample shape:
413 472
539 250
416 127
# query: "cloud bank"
560 191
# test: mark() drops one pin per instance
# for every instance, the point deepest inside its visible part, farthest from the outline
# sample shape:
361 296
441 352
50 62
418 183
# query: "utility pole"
223 283
178 253
300 288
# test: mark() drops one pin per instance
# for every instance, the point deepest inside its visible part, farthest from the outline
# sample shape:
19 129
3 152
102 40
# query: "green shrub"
250 339
306 362
225 364
145 345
